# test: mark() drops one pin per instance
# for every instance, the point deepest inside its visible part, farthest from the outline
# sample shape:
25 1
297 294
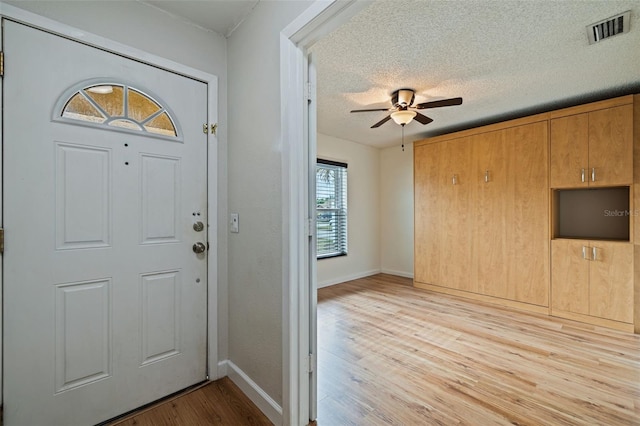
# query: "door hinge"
310 228
214 129
1 240
1 64
311 363
309 92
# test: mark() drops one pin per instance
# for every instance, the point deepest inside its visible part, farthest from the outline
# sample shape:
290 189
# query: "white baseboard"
398 273
263 401
333 281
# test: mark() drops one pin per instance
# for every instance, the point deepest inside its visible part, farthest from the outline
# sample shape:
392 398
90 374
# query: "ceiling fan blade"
381 122
422 118
367 110
441 103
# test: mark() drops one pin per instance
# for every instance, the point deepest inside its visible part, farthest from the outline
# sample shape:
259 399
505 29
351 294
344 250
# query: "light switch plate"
234 224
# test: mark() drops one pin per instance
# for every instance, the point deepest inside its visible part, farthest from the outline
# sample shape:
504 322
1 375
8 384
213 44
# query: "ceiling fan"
403 110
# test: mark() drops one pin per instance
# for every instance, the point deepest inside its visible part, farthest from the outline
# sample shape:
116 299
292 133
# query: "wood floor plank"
218 403
393 354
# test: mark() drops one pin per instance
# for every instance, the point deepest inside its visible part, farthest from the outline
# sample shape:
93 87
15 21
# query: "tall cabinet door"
611 146
489 172
570 276
611 281
570 151
526 201
429 214
457 186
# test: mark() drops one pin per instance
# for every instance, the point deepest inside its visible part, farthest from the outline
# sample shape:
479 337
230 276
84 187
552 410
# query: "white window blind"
331 208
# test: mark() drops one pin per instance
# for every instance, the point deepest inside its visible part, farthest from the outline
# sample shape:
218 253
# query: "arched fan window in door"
117 106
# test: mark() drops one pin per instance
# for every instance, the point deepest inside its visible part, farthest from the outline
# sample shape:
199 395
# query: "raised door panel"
83 189
611 281
160 316
569 151
489 204
160 199
83 349
611 146
455 243
570 276
526 213
428 212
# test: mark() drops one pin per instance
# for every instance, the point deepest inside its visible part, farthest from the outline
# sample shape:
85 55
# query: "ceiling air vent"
609 27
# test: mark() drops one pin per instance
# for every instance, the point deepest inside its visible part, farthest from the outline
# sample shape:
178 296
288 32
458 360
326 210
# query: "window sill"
331 256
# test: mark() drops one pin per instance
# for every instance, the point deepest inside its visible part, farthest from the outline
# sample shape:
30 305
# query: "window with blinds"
331 208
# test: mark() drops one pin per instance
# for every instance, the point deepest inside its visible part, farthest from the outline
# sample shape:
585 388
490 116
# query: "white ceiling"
505 58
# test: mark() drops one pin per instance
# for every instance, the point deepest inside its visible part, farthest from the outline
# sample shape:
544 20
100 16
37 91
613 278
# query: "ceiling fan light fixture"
403 117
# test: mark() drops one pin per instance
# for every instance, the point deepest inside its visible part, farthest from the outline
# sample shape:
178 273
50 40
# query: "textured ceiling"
504 58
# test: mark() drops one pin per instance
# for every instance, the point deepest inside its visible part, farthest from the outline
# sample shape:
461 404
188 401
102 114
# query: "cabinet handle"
454 180
582 174
486 176
584 253
593 174
594 253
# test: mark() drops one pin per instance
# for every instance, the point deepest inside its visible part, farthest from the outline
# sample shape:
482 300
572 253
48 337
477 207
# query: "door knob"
199 248
198 226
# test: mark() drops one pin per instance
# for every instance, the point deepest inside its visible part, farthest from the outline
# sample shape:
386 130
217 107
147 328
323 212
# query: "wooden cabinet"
593 148
526 213
428 235
570 276
593 278
456 182
510 211
443 226
489 239
481 213
570 151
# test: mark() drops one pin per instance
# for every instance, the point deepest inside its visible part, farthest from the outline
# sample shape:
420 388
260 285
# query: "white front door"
104 297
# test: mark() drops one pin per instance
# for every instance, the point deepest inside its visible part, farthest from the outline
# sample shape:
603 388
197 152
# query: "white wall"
380 197
363 201
396 210
255 192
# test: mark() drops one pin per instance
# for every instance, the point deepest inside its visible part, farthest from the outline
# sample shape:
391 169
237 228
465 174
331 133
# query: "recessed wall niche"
600 213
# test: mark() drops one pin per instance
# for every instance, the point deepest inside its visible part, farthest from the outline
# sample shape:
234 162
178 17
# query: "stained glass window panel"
79 108
162 125
120 106
109 97
140 106
125 124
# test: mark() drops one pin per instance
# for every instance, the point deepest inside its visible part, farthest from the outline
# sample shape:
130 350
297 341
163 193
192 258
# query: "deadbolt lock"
199 248
198 226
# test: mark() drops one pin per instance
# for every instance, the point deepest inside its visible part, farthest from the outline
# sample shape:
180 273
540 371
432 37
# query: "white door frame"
54 27
322 17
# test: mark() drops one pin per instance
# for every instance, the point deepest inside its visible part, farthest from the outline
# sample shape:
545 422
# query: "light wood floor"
217 403
392 354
